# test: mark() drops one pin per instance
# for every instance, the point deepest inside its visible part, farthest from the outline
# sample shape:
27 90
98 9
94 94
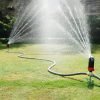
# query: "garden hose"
22 55
53 64
90 65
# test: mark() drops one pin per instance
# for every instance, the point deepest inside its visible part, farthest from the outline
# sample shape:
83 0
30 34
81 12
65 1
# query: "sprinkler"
91 69
90 74
8 45
91 64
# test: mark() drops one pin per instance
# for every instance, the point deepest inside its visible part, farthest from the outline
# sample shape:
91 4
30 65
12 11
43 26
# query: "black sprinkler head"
11 8
91 64
8 45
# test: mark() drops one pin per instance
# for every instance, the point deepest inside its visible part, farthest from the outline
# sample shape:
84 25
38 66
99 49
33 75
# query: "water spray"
71 20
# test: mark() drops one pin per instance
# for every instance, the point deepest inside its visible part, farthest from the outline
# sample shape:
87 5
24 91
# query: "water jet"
64 19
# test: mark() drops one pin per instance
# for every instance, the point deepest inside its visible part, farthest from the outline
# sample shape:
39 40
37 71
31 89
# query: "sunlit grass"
22 79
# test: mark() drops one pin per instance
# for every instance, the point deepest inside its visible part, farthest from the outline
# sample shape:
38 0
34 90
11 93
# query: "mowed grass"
22 79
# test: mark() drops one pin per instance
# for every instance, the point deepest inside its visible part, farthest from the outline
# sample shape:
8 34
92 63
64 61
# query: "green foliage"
94 21
6 25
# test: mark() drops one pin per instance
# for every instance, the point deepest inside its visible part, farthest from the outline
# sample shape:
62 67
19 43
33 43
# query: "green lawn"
22 79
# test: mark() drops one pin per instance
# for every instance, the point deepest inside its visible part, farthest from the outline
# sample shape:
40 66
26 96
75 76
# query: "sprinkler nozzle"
91 64
8 45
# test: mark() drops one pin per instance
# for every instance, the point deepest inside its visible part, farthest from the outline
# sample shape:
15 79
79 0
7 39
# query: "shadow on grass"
44 84
92 85
96 85
47 84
